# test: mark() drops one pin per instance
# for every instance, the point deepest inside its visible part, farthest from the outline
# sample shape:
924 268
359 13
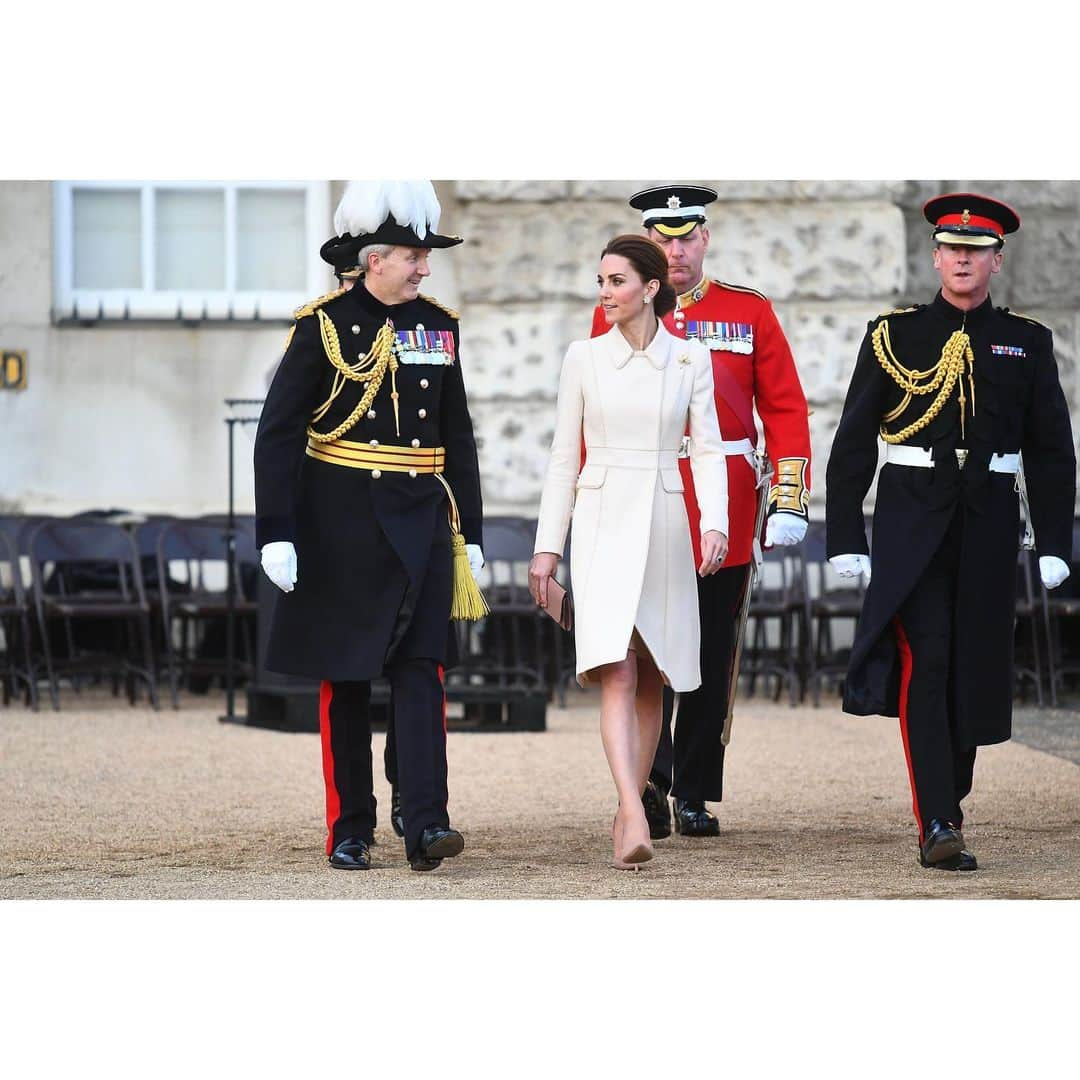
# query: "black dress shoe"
436 844
964 861
351 854
692 819
941 841
657 811
397 822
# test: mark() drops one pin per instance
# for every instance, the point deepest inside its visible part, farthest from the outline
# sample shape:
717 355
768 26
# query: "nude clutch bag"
559 605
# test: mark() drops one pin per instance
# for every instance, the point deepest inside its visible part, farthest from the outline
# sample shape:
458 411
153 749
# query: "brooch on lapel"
684 359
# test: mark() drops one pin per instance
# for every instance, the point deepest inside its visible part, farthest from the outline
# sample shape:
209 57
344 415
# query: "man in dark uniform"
752 368
967 400
366 481
342 254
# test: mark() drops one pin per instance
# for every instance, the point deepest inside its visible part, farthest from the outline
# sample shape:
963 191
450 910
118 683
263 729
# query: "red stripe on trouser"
906 665
333 800
442 683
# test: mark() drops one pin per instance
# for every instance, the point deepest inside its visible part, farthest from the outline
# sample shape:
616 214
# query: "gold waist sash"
357 455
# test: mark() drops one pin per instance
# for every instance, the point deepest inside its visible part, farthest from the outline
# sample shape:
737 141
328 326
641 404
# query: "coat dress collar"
620 350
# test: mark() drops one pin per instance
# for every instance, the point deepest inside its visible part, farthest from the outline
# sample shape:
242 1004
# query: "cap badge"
965 217
674 202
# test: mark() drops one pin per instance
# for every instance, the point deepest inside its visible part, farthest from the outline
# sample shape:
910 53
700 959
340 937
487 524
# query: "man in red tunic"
752 368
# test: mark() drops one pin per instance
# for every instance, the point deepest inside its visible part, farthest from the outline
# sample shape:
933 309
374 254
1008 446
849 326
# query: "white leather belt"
613 456
921 458
738 446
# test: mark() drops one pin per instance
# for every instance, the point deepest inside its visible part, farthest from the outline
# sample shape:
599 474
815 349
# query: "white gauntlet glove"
1052 570
784 529
279 562
851 565
476 559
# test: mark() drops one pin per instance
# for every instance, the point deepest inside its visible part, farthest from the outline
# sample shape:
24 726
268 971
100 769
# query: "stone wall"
830 254
131 415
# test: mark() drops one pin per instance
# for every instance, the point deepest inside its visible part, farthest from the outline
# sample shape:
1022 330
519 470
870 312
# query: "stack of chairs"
96 597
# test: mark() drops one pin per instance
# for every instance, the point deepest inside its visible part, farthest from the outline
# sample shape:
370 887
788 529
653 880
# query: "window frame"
188 305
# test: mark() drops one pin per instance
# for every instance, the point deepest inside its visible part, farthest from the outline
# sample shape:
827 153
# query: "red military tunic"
749 347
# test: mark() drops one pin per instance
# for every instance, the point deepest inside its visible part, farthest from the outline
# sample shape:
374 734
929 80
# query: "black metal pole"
230 589
230 569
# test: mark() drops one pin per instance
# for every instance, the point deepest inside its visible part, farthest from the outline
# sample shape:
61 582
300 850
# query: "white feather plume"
367 203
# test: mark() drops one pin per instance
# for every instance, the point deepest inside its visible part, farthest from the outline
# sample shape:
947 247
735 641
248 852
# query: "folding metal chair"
15 623
192 591
87 570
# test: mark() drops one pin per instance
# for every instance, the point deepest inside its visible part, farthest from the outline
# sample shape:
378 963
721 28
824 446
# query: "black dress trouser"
694 760
419 704
940 767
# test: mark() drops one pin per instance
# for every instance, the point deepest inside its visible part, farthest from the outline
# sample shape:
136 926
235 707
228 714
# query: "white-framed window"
188 250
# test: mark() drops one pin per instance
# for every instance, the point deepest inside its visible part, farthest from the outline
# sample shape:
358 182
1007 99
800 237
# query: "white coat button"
412 473
371 414
419 326
356 329
416 444
422 413
375 474
423 384
374 442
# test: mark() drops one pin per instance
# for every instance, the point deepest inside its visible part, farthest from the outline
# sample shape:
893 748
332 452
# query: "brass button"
412 473
423 384
355 329
422 413
375 474
371 414
374 442
416 443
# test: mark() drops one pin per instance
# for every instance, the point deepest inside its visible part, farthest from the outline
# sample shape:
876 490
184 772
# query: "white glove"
851 565
476 559
784 529
1052 570
279 562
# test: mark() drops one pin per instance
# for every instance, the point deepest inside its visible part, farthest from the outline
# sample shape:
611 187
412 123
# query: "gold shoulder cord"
309 309
369 369
442 307
943 377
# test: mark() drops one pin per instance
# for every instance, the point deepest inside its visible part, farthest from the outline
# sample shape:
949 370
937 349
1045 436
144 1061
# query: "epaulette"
1026 318
442 307
740 288
313 305
901 311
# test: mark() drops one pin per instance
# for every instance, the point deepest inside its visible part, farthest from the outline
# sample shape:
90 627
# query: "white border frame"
119 305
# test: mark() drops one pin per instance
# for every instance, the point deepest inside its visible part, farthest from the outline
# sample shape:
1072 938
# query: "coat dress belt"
619 458
922 458
743 448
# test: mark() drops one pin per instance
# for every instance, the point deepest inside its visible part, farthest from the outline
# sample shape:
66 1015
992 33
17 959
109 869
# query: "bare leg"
648 702
622 746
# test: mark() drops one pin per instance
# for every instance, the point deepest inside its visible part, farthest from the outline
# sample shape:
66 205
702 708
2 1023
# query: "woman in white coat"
632 393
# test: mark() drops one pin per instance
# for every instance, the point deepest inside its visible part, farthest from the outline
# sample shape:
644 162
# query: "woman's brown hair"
649 261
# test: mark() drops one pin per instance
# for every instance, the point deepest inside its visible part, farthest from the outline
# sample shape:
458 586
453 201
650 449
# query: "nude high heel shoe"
635 857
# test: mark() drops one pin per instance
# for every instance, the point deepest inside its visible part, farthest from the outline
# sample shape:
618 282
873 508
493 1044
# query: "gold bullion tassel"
468 601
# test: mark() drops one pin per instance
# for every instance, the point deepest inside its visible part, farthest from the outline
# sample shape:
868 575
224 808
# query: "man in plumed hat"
368 513
966 399
753 369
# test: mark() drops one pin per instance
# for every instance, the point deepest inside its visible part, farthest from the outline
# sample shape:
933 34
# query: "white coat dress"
631 563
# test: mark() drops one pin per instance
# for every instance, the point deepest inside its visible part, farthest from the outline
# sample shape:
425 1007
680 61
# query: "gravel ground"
105 801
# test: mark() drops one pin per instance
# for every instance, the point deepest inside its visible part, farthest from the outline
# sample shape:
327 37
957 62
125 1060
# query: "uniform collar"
620 350
692 296
956 316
